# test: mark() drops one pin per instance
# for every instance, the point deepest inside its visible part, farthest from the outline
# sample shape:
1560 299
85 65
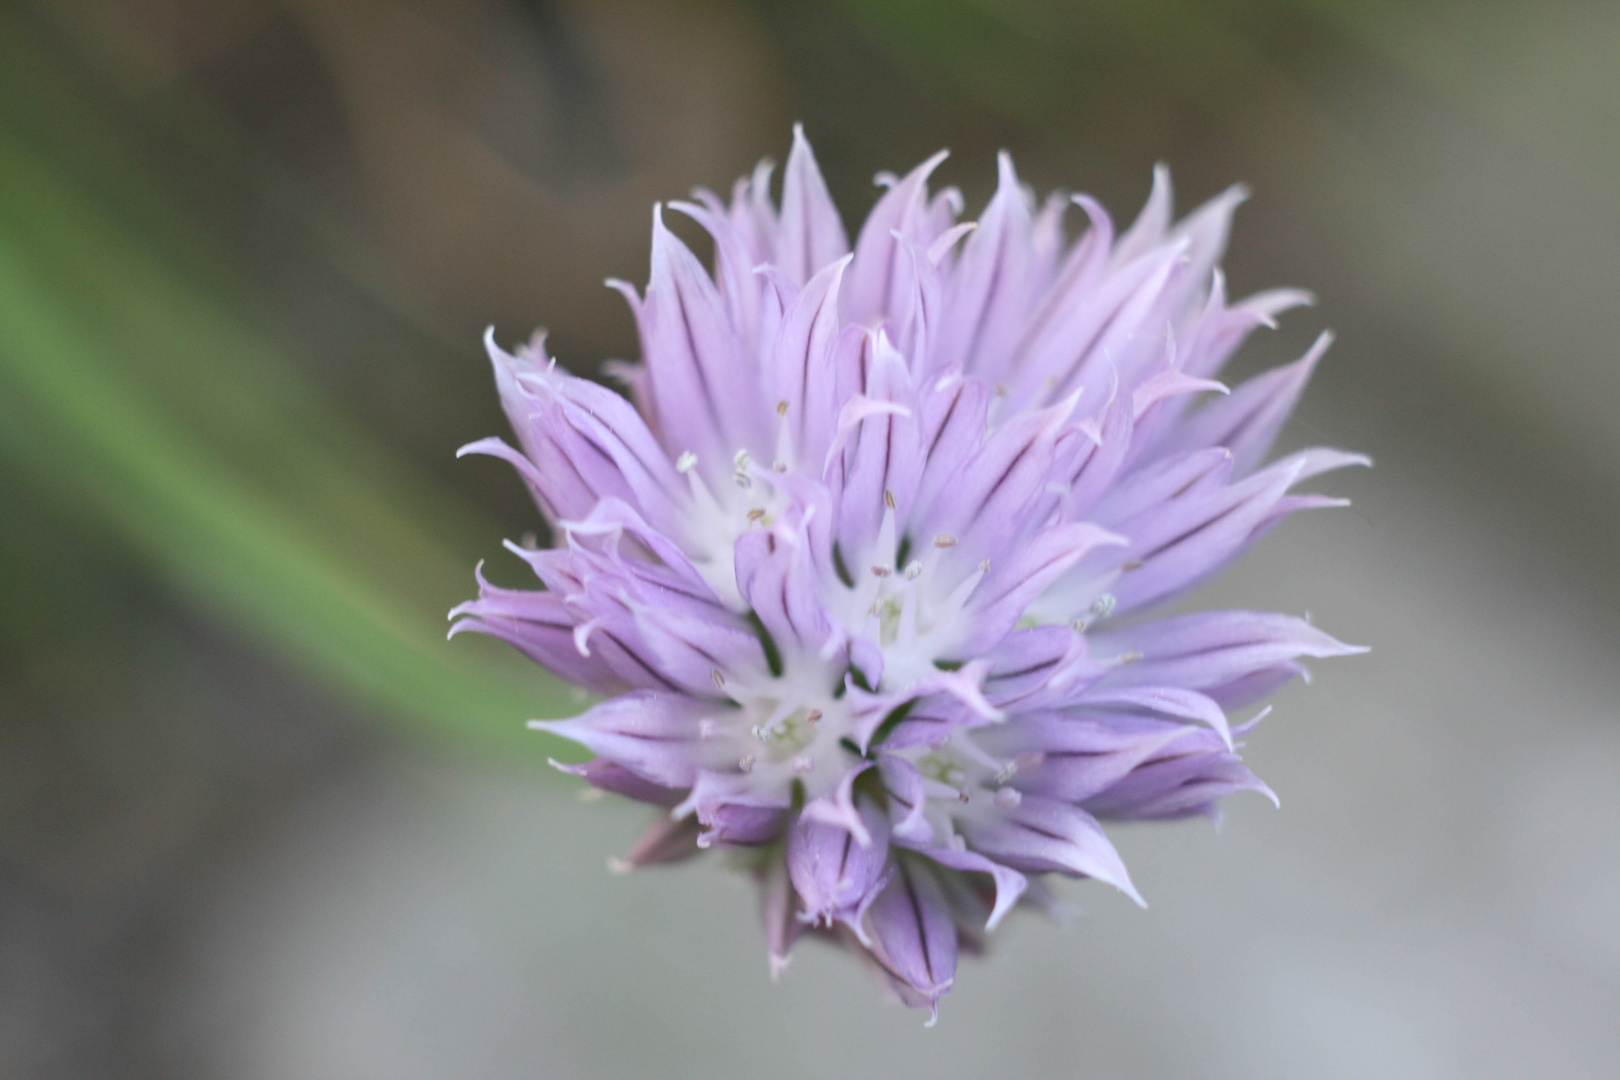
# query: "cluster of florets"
859 567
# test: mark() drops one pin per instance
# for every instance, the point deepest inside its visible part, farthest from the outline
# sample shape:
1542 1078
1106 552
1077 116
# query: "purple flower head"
863 573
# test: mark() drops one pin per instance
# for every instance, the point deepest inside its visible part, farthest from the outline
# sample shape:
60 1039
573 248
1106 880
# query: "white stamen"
746 763
1008 798
685 463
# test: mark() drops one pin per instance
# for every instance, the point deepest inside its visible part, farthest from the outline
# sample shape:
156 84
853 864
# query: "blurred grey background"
258 820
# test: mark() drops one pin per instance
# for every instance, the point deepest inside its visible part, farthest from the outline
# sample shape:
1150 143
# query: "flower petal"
655 735
1043 835
912 932
809 233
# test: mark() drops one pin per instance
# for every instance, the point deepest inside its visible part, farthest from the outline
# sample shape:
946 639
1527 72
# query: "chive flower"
864 567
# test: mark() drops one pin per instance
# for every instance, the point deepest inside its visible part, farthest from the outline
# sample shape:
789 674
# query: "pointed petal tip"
1005 173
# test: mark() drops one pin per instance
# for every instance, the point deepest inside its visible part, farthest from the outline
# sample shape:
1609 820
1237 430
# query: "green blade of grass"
130 394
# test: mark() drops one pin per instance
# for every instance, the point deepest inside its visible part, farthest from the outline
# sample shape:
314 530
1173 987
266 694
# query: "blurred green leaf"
127 390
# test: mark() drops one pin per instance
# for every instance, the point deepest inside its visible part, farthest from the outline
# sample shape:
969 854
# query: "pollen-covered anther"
756 513
813 716
803 763
782 407
888 499
686 463
1008 798
913 570
943 541
1133 564
719 679
881 571
746 763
